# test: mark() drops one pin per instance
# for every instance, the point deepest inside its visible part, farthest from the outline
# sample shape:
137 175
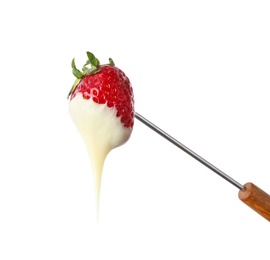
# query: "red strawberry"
102 108
105 84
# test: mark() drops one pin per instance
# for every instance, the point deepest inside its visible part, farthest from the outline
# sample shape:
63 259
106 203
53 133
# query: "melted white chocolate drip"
101 131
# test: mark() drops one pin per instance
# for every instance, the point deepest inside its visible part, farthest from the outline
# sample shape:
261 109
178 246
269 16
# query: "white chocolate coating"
101 131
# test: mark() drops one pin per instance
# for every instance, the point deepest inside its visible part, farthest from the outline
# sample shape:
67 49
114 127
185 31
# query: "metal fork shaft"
188 151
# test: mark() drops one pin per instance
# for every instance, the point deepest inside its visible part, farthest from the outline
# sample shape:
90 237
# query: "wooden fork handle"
256 199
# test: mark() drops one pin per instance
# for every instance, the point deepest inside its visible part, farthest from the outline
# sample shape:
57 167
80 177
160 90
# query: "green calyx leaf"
75 84
77 73
92 59
111 62
93 62
92 66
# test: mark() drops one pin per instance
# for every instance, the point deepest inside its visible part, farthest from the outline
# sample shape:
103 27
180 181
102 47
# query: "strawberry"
105 84
102 108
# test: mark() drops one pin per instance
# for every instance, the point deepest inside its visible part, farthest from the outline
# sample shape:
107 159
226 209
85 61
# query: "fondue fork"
248 193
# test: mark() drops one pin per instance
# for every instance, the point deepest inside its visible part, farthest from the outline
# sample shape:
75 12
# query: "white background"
199 70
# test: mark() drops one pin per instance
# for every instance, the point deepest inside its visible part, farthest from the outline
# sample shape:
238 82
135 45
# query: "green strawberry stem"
86 70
